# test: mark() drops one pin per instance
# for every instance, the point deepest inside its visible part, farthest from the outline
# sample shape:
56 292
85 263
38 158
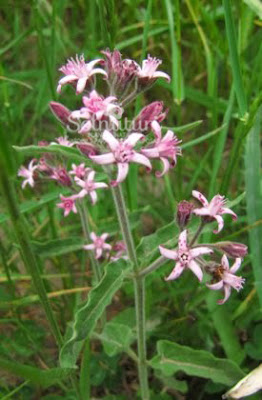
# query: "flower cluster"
190 256
101 248
97 125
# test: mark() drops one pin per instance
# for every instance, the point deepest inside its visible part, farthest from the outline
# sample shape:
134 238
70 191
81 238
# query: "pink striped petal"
99 252
151 153
104 236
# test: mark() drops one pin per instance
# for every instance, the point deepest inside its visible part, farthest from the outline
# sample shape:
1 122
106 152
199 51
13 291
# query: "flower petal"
182 240
89 247
166 166
227 290
156 128
133 139
81 84
107 158
228 211
99 252
235 266
225 263
93 236
198 251
150 152
220 222
110 139
160 74
177 271
195 268
215 286
199 196
104 236
122 172
93 197
140 159
172 254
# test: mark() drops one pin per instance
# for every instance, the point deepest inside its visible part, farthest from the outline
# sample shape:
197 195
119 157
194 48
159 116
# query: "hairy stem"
139 290
199 230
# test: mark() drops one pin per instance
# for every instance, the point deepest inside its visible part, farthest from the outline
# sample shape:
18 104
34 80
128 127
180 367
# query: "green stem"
152 267
87 231
30 261
200 228
139 287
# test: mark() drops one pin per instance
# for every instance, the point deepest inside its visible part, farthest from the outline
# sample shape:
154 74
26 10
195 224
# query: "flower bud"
87 149
152 112
232 249
184 211
60 112
60 174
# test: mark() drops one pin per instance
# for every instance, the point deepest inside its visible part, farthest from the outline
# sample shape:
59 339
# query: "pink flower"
97 108
149 72
63 141
78 70
68 204
28 174
184 257
152 112
122 153
79 170
164 148
120 249
89 186
60 174
227 278
213 210
98 244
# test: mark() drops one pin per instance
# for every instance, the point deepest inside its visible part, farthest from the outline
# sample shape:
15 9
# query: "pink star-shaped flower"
214 209
98 244
68 204
97 108
28 174
185 257
78 70
227 278
163 148
89 186
148 71
122 153
79 170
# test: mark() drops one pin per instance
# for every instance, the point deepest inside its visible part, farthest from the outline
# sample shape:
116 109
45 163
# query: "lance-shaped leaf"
173 357
116 338
57 247
68 152
89 313
37 376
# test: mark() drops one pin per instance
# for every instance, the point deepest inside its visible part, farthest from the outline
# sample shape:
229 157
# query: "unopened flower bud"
184 211
87 149
60 174
150 113
60 112
232 249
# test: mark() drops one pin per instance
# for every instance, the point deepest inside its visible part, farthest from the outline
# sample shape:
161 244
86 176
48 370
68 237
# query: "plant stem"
152 267
139 290
86 229
201 226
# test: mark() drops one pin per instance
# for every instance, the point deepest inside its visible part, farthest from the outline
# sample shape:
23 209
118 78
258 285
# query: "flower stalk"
139 288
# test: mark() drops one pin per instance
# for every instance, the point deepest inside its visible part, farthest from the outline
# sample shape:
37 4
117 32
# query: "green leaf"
68 152
173 357
148 246
89 313
37 376
116 338
184 128
58 247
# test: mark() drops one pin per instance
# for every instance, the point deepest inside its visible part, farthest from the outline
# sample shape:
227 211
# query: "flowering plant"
104 152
